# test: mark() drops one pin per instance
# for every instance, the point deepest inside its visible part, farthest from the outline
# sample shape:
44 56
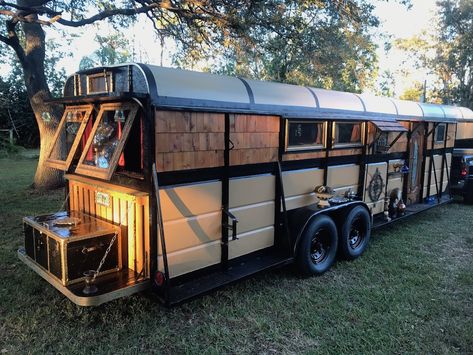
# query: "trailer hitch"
233 226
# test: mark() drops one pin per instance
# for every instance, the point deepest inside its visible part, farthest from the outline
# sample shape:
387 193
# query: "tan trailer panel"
343 175
394 183
255 216
191 259
300 201
299 182
343 189
438 170
371 170
190 232
248 191
376 207
251 241
190 200
464 130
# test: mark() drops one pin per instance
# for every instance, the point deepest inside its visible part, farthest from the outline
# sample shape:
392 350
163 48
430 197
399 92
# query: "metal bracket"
233 226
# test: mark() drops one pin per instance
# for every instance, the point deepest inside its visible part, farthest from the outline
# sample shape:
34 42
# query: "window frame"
107 173
65 164
108 76
348 145
444 125
305 147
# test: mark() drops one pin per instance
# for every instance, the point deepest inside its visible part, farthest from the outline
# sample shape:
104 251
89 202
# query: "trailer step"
238 269
411 210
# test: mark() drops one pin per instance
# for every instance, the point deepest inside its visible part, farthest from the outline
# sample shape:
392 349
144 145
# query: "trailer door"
251 143
416 148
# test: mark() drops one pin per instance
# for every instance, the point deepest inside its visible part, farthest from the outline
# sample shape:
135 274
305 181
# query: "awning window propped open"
389 126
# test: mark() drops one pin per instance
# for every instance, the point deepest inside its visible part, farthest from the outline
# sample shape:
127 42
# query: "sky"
396 22
400 22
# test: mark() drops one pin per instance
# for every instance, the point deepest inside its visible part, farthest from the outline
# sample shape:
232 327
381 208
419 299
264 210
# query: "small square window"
440 133
348 133
303 135
99 83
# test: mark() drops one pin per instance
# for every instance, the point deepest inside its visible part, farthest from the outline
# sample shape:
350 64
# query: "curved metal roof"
177 88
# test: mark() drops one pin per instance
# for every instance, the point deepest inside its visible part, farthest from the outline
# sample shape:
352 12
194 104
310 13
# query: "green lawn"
412 291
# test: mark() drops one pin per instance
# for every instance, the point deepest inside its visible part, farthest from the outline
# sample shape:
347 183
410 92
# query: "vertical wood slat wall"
255 139
195 140
122 211
189 140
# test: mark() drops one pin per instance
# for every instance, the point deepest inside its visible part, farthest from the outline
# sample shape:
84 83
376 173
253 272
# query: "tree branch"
106 14
40 10
4 39
13 41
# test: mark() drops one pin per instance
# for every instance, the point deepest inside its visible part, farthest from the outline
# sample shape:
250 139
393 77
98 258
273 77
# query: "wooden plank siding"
189 140
255 139
193 140
121 211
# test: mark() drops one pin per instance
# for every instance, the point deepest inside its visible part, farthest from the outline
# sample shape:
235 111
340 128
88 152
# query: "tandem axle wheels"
321 240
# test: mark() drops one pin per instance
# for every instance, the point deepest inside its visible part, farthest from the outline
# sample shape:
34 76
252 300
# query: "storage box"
66 244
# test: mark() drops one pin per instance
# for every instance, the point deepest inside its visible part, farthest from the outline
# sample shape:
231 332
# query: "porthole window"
302 135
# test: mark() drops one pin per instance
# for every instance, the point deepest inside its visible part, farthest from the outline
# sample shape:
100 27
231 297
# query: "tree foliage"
314 42
319 43
448 53
455 50
16 113
24 34
113 49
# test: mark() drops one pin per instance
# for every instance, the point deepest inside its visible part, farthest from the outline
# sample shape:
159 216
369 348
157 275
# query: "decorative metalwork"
376 185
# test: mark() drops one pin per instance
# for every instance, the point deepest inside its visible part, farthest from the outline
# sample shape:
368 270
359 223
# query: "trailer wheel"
318 246
355 233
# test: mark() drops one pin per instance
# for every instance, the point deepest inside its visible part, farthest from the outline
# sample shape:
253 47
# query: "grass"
411 292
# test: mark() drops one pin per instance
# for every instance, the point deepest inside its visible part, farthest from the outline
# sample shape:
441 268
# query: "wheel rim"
357 234
320 246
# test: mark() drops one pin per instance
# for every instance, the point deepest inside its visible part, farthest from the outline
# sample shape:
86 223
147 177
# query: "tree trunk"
38 92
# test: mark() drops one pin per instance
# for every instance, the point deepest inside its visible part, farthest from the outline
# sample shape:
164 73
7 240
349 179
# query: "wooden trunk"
66 252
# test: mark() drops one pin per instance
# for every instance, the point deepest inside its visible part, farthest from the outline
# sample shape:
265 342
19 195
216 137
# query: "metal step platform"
411 210
240 268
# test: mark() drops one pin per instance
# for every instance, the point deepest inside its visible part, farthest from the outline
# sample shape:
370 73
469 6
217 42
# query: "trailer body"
199 180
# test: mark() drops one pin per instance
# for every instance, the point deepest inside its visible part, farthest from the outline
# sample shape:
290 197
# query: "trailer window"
103 150
440 133
99 83
68 136
347 133
302 135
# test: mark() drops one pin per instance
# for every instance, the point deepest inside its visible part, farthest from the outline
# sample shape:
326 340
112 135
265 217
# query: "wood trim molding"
61 164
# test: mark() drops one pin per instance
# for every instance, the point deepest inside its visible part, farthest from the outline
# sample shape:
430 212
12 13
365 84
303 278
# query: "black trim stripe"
182 177
176 103
314 96
464 143
362 103
248 90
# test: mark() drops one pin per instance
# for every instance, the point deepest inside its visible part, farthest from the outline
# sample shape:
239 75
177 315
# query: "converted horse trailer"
183 181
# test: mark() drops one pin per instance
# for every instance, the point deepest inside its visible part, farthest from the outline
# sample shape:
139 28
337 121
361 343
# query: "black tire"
355 233
317 246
